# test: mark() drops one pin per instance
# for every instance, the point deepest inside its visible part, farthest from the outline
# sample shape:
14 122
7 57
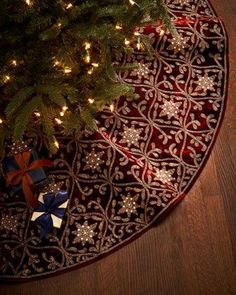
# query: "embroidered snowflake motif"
9 223
164 175
93 160
170 109
84 233
141 71
129 204
131 136
205 83
178 44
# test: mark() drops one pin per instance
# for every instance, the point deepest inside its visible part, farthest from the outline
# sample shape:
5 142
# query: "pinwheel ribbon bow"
50 211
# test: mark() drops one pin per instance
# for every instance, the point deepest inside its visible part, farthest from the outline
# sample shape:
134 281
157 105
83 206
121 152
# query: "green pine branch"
44 60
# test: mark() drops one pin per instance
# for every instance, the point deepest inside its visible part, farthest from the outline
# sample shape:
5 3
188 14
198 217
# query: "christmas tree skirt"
142 160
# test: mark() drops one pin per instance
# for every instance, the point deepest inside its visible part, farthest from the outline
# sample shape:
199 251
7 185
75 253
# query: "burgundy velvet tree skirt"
142 160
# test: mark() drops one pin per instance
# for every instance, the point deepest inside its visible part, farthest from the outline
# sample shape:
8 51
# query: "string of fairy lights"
67 69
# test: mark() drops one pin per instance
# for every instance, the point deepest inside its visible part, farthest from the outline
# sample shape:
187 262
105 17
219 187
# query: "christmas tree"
57 61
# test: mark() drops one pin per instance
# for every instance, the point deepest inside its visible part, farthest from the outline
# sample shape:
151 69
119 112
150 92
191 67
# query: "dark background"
193 251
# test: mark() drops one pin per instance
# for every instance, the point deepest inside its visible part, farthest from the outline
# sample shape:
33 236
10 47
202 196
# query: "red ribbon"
22 176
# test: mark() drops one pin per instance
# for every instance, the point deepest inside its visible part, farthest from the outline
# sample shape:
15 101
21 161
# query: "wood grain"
193 251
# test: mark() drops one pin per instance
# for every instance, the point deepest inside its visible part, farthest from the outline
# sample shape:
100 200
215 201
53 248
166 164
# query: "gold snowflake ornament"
131 136
170 109
178 43
93 160
84 233
141 71
129 204
9 223
164 175
205 83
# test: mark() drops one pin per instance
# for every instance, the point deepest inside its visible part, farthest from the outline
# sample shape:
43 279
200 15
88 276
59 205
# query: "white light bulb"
162 32
112 108
14 62
37 114
69 6
56 144
6 78
118 27
59 122
67 70
28 2
91 100
127 42
87 58
87 45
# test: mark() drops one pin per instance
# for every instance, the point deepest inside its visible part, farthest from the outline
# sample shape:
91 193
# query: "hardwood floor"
193 251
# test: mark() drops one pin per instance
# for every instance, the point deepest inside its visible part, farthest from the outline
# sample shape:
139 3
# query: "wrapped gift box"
23 171
50 211
37 175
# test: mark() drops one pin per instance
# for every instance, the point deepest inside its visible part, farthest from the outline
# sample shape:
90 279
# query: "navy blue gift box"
38 175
